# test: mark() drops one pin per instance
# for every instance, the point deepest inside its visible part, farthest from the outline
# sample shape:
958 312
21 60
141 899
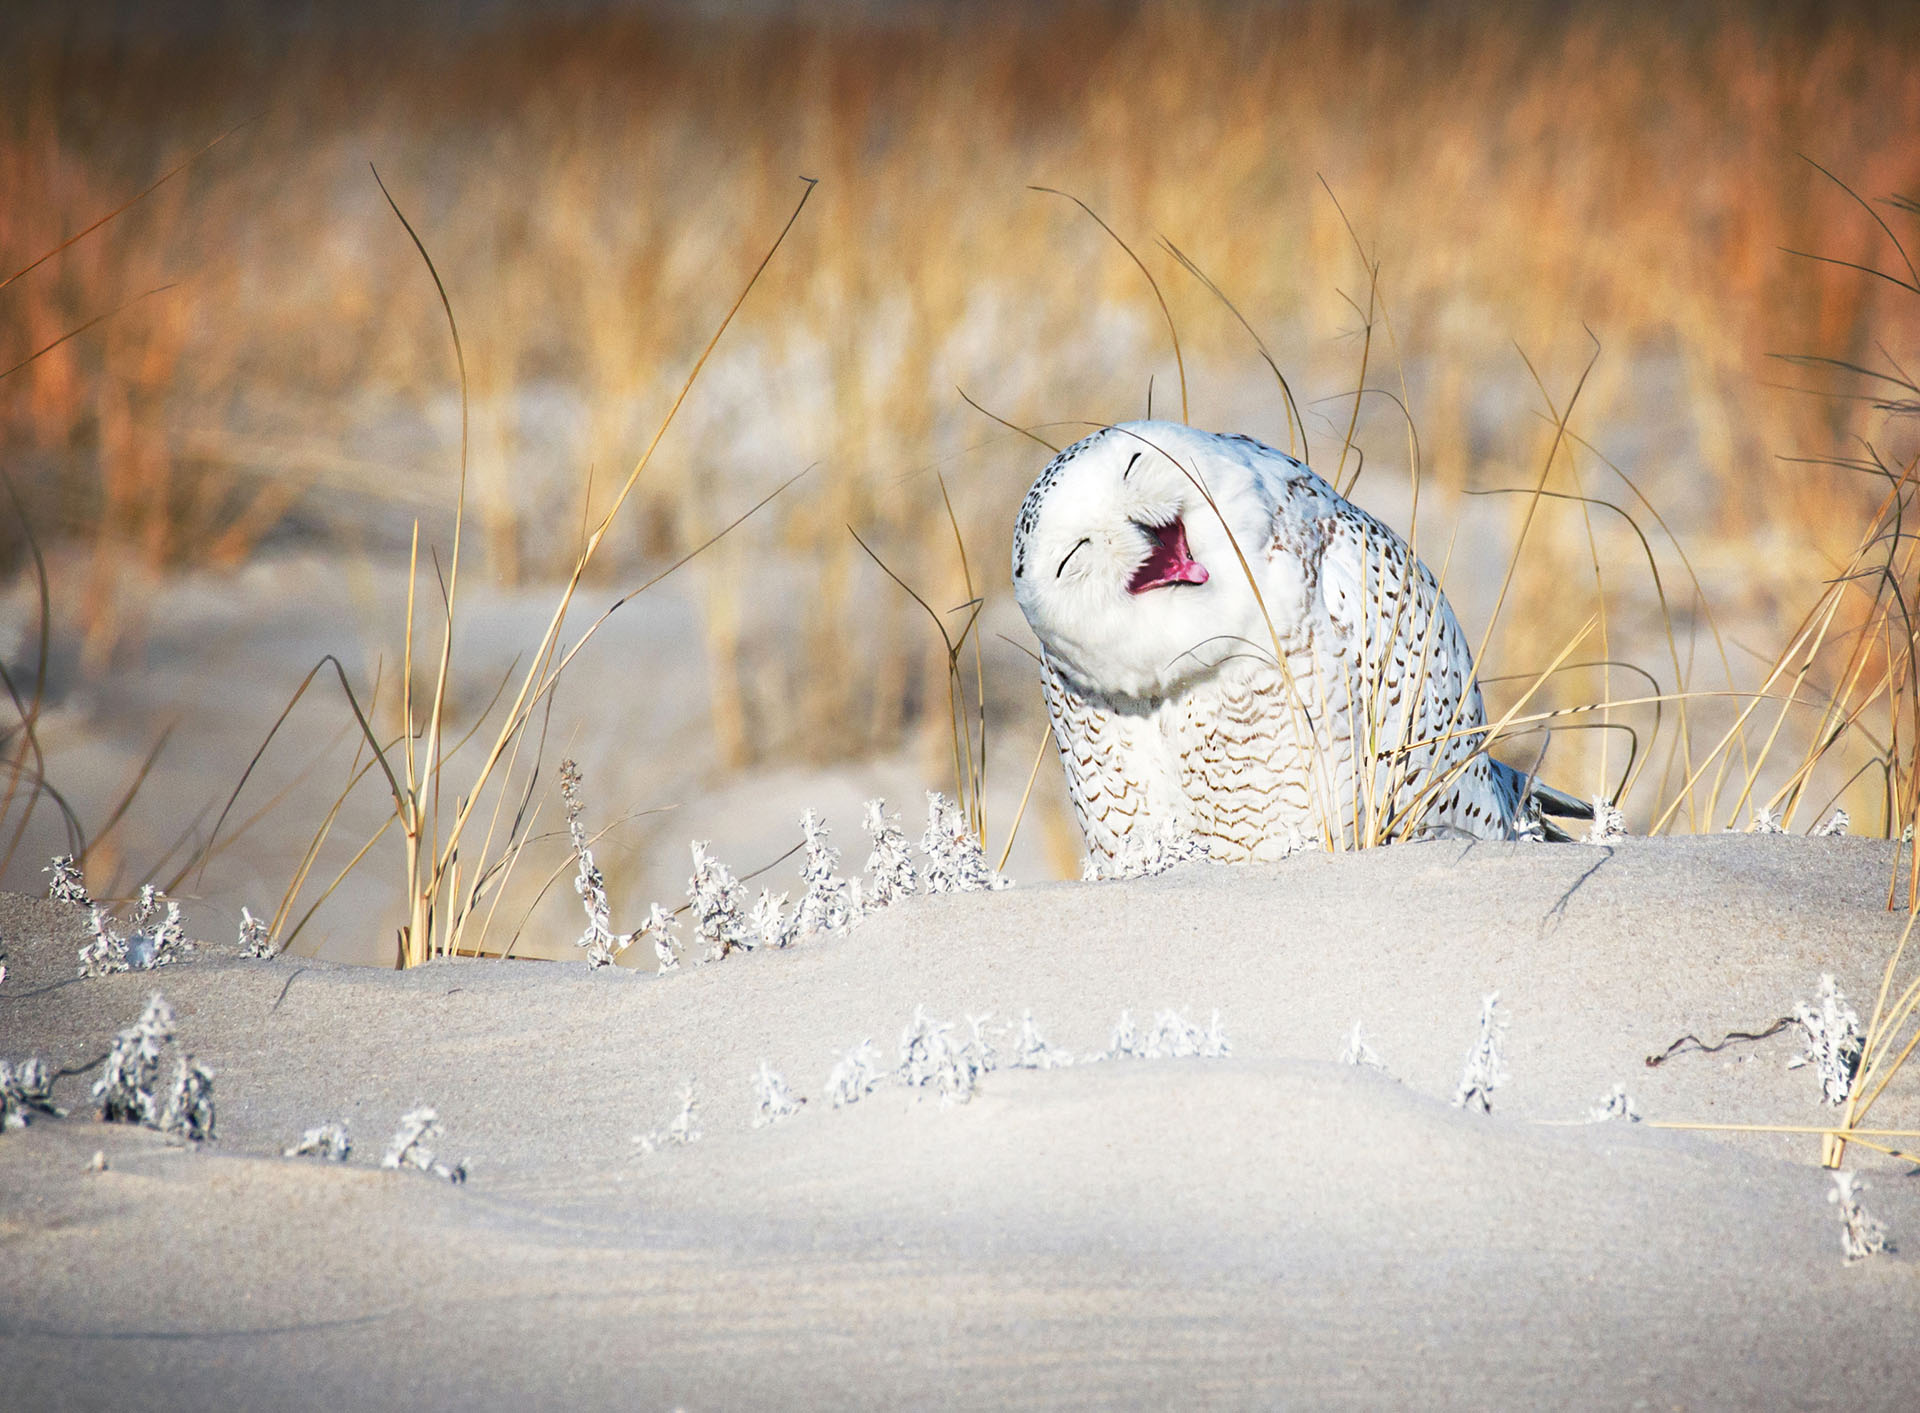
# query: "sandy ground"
1270 1229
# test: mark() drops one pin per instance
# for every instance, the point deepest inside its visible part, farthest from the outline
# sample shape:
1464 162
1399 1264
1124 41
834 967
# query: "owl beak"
1169 561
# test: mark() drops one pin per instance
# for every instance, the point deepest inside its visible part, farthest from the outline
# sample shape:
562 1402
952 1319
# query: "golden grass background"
594 188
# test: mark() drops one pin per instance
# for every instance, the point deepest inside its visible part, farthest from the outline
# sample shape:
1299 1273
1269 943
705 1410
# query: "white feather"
1301 676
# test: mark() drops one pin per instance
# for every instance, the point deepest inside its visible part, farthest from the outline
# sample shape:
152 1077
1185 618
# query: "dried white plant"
772 1100
955 861
1861 1235
329 1141
190 1106
830 904
659 927
891 875
768 922
680 1130
930 1059
1146 853
1765 821
1608 824
1483 1072
154 938
1032 1052
855 1075
601 943
718 903
1833 1039
65 884
1170 1037
982 1033
254 938
1357 1052
125 1089
107 952
157 937
26 1089
1616 1103
1836 826
408 1147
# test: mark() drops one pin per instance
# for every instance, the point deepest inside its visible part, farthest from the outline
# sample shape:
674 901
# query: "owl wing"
1121 776
1390 633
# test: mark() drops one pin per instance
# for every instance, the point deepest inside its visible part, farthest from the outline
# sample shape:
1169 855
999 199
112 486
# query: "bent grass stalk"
437 912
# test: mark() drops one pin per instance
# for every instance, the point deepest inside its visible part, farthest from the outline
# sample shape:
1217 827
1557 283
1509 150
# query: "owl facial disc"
1169 561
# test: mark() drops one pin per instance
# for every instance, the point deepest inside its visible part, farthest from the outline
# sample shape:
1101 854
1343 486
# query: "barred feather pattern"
1364 720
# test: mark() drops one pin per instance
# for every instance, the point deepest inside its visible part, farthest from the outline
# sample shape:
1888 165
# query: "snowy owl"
1235 654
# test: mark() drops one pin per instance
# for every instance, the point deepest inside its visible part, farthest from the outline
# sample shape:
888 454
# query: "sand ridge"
1269 1227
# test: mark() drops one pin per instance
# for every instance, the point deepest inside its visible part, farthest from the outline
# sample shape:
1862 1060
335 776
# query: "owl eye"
1084 542
1129 471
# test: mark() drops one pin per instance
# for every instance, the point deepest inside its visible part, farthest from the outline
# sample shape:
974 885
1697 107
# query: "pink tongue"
1168 562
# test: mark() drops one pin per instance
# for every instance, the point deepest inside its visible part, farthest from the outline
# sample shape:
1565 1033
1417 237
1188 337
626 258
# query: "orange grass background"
593 190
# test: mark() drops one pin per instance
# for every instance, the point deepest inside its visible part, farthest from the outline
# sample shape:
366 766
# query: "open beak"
1169 561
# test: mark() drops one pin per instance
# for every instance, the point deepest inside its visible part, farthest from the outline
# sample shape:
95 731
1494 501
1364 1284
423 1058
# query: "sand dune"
1268 1228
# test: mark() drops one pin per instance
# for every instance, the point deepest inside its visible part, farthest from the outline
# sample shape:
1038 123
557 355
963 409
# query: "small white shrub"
1861 1235
1483 1072
1833 1040
772 1100
328 1141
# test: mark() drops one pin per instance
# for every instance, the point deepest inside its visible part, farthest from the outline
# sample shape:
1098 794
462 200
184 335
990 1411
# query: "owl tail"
1542 802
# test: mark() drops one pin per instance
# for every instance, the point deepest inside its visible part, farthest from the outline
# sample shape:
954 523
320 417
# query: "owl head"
1124 558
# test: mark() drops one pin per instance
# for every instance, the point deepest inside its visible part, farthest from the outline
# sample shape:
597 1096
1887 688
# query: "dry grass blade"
438 911
1173 332
968 758
126 206
1026 432
75 333
1295 422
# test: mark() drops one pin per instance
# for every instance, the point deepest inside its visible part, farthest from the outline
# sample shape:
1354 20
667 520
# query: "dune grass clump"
190 1109
1834 1043
830 904
681 1130
600 942
717 897
661 928
890 874
1483 1072
26 1089
125 1089
769 925
772 1100
932 1061
1031 1051
1861 1234
956 863
329 1141
855 1075
155 937
1170 1037
408 1147
1147 852
64 883
1358 1052
1616 1103
256 938
1609 822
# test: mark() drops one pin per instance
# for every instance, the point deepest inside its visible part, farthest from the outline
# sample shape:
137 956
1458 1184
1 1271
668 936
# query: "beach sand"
1269 1229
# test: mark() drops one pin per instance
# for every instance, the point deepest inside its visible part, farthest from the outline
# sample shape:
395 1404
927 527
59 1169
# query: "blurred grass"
1516 170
